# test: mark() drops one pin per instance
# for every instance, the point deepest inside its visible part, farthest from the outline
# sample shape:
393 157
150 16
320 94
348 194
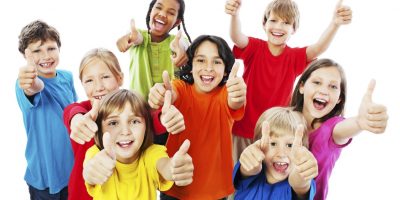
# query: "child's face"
127 131
163 17
45 56
98 80
208 67
321 92
278 30
277 157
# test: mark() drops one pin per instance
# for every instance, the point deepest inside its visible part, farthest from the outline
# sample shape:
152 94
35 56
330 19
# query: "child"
100 74
209 108
277 166
271 67
320 95
150 49
124 164
42 94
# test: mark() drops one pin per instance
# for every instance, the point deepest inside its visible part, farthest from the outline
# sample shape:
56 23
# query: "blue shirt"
48 150
257 187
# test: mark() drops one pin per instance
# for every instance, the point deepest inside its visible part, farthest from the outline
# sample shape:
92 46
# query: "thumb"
234 70
29 58
108 145
184 148
166 80
133 27
95 109
339 3
298 138
370 91
265 131
178 38
167 101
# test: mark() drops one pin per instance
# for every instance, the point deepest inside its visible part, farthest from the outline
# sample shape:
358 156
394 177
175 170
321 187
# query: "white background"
367 169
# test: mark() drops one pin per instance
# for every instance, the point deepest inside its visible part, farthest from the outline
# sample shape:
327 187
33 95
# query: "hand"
171 117
371 116
83 127
27 76
98 169
252 156
232 7
305 166
157 92
343 14
178 57
236 86
128 40
182 166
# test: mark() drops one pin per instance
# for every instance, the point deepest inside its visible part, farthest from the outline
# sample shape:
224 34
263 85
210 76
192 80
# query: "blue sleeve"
313 189
239 182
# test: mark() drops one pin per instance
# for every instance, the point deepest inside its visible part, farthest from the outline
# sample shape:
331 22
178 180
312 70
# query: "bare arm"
232 8
342 15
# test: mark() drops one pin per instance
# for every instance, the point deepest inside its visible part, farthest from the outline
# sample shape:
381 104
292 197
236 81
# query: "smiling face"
208 67
278 30
163 17
45 56
277 157
321 92
98 80
127 130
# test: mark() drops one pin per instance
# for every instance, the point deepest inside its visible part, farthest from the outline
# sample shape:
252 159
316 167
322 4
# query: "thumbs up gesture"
232 7
371 116
83 127
132 38
305 166
343 14
182 166
157 92
236 88
98 169
27 76
171 117
178 57
252 156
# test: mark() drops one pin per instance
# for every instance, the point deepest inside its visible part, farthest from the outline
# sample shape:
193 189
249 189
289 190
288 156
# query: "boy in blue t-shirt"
277 166
42 94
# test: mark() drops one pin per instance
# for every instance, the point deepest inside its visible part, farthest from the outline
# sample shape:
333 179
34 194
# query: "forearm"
323 43
345 130
236 34
164 168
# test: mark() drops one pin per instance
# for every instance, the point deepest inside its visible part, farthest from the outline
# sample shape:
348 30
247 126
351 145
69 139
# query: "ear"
178 21
301 88
340 100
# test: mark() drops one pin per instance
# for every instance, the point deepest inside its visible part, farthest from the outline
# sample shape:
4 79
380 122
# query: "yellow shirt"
138 180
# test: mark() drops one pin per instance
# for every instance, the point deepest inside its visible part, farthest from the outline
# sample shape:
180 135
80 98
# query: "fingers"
182 165
173 120
339 4
133 30
156 95
305 164
29 58
252 157
167 101
109 145
232 6
298 137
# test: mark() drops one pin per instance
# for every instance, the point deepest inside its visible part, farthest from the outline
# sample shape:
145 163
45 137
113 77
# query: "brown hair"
116 101
285 9
35 31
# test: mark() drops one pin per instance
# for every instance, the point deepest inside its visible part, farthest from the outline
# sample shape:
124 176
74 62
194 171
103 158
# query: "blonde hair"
105 56
281 121
285 9
116 101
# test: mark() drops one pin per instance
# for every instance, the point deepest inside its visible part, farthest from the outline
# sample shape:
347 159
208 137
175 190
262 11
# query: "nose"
209 67
126 130
99 85
323 90
162 13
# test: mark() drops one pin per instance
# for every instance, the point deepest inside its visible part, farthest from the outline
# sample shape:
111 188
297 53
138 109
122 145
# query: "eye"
289 145
335 87
52 49
272 20
158 7
112 123
36 51
218 62
316 82
171 13
200 60
106 76
87 81
273 144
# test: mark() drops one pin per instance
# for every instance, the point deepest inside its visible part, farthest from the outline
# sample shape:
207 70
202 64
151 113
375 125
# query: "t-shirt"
326 152
48 150
208 122
148 61
137 180
269 80
257 187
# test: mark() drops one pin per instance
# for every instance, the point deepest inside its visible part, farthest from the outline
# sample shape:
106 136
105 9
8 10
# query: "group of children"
227 134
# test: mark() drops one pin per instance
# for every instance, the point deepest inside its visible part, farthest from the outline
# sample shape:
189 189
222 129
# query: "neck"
276 50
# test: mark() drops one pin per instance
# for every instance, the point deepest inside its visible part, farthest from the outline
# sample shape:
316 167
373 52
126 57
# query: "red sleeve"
158 127
71 110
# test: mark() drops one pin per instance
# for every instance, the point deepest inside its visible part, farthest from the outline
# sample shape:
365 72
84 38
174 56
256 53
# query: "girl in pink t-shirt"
320 95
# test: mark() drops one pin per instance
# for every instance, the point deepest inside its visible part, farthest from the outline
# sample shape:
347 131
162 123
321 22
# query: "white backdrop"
365 48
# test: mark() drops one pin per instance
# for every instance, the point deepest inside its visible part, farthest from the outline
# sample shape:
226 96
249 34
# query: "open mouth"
46 65
319 104
125 144
207 79
280 166
159 24
98 97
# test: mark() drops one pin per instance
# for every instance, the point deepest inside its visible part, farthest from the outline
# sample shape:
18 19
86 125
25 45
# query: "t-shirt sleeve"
151 155
313 189
300 57
239 182
70 111
158 127
23 101
247 52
